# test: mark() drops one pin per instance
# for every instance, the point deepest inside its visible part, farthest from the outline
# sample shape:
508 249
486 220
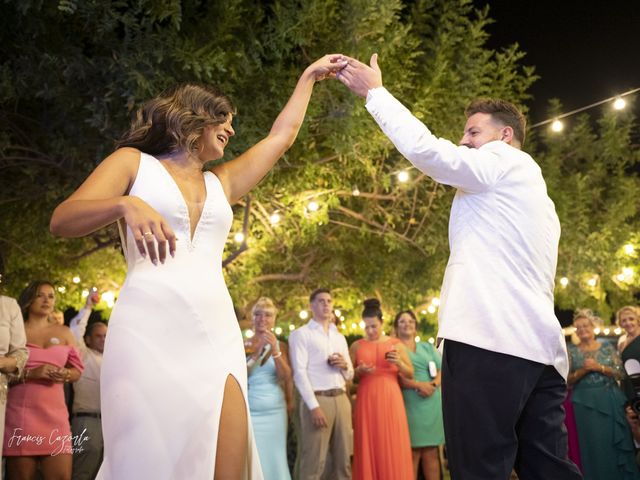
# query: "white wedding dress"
173 341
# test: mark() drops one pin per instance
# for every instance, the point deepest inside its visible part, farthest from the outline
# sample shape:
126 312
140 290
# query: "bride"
174 383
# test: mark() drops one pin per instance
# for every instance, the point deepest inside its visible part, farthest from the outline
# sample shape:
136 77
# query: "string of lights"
618 103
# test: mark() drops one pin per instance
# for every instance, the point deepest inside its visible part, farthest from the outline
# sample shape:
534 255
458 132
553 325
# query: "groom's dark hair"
501 111
317 292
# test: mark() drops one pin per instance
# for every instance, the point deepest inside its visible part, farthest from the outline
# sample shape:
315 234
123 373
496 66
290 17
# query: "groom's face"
480 129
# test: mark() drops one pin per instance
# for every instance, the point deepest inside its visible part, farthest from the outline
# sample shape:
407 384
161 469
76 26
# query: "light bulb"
564 281
619 103
313 206
303 314
557 126
417 339
76 279
431 309
629 249
432 340
239 237
403 176
278 331
274 219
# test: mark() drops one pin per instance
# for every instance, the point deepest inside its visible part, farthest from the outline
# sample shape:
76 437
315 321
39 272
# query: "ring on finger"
147 233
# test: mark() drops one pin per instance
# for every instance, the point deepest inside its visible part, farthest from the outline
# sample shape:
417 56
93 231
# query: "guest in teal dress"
606 445
422 398
270 391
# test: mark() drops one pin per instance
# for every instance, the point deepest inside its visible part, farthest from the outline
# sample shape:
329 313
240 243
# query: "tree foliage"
72 73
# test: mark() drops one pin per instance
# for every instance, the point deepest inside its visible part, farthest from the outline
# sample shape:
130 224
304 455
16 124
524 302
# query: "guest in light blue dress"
270 391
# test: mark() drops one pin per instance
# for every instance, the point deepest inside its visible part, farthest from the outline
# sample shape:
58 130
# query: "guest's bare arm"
241 174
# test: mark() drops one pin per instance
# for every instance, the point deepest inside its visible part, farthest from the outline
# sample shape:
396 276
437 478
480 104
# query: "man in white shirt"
86 423
505 361
321 367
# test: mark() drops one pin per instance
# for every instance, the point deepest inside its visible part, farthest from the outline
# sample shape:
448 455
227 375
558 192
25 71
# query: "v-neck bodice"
155 185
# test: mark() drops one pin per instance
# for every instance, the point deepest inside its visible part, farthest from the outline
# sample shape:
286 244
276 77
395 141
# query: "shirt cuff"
375 92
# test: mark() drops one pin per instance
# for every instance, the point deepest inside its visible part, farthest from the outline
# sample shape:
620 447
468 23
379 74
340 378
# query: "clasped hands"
49 372
355 75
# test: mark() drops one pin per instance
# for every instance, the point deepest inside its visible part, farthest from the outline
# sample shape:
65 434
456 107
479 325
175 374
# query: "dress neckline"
184 202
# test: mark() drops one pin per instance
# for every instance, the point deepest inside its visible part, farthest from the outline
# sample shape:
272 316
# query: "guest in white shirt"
86 425
321 367
505 360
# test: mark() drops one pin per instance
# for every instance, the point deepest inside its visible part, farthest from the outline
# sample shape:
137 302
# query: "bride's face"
214 139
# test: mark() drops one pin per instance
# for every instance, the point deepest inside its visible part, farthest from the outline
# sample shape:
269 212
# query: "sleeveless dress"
424 414
606 444
173 341
382 449
269 419
37 419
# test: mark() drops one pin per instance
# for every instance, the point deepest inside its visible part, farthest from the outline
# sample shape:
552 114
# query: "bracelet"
277 354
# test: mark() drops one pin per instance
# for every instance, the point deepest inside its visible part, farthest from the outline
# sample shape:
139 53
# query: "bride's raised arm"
241 174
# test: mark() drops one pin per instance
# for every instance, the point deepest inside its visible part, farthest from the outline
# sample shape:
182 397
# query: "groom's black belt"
334 392
87 414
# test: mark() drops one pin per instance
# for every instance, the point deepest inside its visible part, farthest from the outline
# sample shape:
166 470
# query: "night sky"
584 51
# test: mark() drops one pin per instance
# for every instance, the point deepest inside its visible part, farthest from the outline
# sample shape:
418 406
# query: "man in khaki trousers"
321 367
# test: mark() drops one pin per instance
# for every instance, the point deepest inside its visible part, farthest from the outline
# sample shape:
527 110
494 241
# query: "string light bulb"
62 289
249 334
278 331
338 313
627 272
292 327
303 314
431 309
239 237
355 192
564 281
629 249
435 301
313 206
592 282
76 279
432 340
274 219
403 176
619 103
417 338
557 126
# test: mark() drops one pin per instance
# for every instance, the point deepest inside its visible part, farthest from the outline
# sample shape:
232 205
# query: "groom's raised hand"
360 78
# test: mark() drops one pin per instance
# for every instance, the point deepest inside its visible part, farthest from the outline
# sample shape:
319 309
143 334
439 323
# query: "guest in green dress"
606 445
422 398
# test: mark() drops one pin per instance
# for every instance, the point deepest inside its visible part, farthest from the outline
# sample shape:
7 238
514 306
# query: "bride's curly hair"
176 119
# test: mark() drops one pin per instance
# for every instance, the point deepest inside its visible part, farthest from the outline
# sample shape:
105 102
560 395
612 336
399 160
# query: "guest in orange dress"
37 431
382 448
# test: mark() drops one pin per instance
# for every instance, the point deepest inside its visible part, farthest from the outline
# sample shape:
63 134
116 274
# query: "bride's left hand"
327 66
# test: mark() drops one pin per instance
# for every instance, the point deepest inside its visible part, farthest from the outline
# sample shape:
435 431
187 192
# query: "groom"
505 361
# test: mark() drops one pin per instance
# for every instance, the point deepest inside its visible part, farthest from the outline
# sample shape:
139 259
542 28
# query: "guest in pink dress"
37 421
